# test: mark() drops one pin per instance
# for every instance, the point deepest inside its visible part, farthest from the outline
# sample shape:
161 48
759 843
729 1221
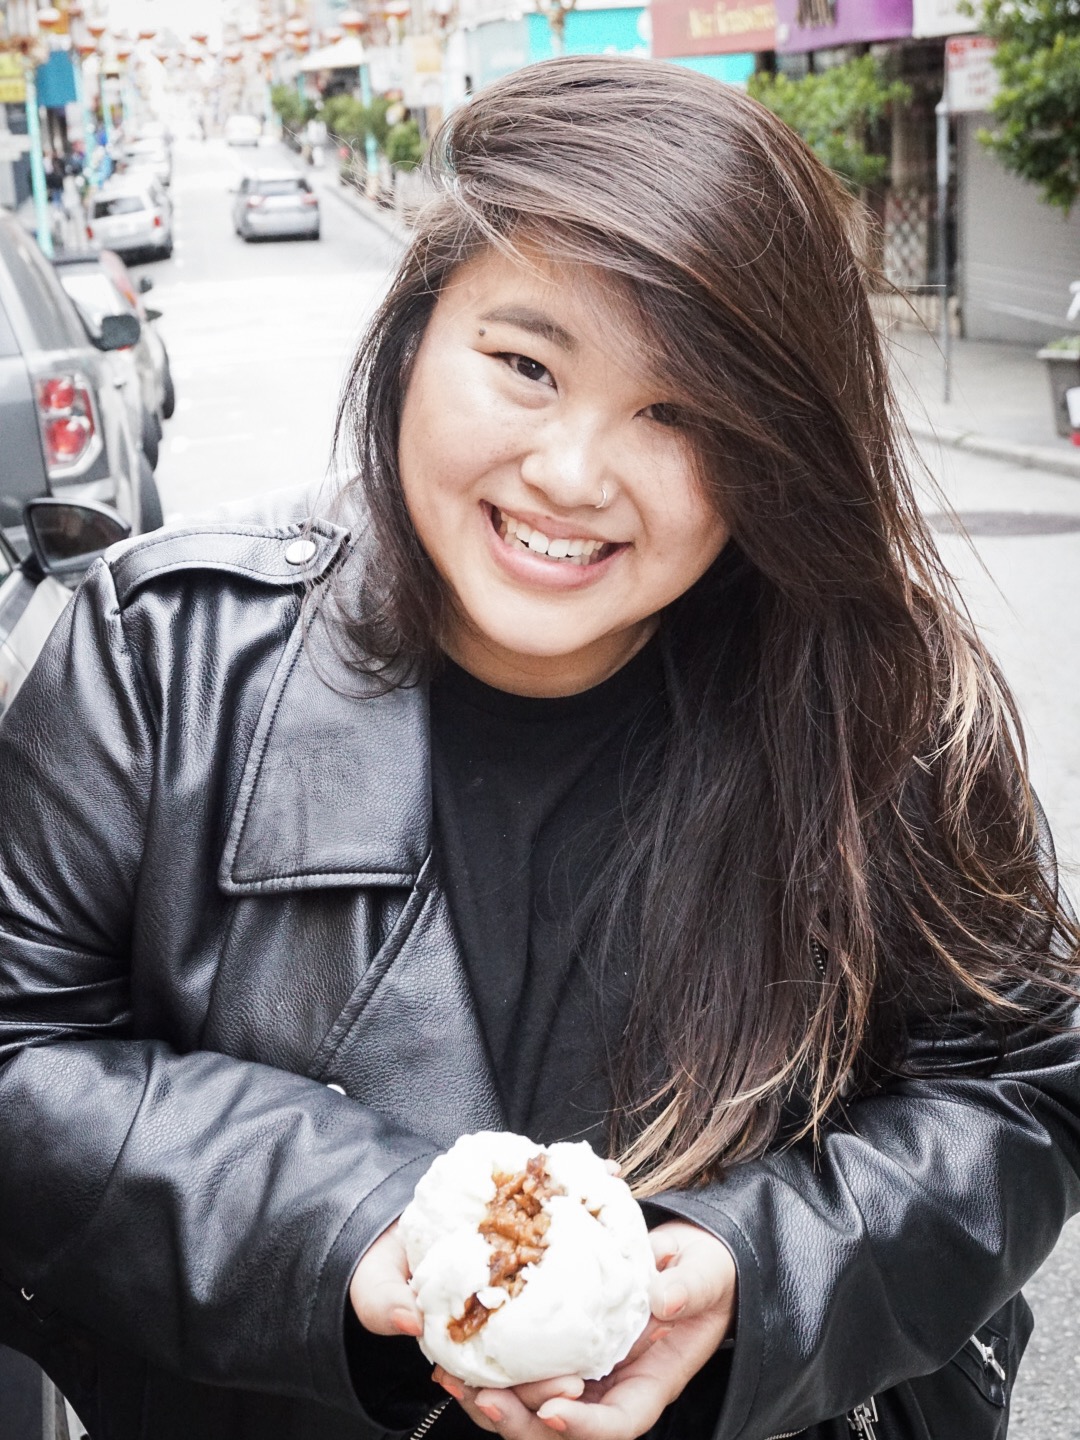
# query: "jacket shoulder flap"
279 556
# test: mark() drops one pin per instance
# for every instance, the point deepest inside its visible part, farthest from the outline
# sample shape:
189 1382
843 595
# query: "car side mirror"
152 315
145 284
66 536
118 332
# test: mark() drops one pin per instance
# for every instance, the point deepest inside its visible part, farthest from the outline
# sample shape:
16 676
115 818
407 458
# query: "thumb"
695 1272
379 1290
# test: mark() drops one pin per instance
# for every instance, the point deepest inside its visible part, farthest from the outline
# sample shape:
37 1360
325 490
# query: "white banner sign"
941 17
969 65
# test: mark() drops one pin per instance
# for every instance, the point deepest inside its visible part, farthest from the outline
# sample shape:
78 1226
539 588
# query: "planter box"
1064 373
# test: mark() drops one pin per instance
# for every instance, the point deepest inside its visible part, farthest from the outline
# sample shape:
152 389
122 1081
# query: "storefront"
720 39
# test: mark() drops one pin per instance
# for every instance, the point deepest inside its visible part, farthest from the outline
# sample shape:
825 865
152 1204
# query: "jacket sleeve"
873 1258
201 1210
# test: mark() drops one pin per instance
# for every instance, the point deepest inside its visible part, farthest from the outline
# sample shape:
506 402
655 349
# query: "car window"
281 187
107 206
95 295
53 319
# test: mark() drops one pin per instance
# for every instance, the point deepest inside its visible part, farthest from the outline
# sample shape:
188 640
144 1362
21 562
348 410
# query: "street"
260 336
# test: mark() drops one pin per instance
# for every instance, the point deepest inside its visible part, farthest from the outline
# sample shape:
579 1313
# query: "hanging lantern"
298 27
233 54
352 22
124 52
86 48
50 18
331 37
302 43
147 33
97 28
396 9
268 50
160 54
75 10
200 37
250 34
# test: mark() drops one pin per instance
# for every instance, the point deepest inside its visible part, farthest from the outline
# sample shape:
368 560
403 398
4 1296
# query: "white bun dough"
584 1303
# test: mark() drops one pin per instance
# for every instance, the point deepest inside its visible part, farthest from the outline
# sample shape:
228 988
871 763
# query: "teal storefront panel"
496 49
593 32
732 69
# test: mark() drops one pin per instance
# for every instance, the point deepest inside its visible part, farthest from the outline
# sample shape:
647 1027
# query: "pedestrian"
616 762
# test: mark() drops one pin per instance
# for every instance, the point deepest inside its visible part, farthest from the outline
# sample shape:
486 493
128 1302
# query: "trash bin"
1063 369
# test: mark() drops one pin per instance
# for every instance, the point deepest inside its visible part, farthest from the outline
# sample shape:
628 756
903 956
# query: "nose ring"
602 503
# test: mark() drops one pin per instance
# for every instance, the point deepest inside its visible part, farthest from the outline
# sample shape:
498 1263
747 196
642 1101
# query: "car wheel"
166 251
151 439
151 515
316 235
168 393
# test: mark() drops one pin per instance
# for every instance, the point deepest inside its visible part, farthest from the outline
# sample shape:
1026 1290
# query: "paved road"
260 337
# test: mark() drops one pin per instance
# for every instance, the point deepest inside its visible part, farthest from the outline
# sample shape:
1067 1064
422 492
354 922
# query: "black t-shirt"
530 795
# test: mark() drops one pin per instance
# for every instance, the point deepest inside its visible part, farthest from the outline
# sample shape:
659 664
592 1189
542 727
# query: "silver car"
276 205
125 216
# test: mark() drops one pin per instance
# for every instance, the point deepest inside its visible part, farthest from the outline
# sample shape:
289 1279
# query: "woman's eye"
663 414
528 369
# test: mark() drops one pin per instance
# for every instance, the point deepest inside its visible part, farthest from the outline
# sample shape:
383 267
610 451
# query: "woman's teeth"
518 535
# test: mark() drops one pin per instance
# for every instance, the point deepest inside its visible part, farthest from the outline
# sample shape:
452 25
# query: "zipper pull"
863 1418
989 1359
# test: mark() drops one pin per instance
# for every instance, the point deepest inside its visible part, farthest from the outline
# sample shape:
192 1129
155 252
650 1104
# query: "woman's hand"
379 1289
693 1308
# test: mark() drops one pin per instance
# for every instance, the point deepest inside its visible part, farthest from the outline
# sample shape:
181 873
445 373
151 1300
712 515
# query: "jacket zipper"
428 1421
988 1358
863 1419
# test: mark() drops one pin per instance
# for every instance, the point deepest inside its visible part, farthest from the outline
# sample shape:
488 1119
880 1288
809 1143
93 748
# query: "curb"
1029 457
361 205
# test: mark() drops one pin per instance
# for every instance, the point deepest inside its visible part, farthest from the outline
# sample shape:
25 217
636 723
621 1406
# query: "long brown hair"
842 834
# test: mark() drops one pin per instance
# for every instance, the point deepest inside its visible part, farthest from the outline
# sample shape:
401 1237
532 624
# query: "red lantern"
200 37
123 52
50 18
75 10
331 37
147 33
353 22
268 51
86 48
251 33
97 28
396 9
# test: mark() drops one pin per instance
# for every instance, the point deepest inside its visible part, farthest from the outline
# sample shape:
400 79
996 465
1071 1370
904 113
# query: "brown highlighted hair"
842 840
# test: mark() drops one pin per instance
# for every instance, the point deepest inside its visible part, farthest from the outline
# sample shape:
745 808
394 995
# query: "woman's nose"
568 464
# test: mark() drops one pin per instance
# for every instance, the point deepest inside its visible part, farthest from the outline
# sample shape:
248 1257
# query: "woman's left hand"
693 1311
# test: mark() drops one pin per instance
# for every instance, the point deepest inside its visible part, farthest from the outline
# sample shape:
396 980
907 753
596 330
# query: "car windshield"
107 206
280 187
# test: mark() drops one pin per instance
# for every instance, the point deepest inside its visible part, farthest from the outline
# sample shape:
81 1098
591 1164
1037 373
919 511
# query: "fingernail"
493 1413
405 1322
554 1422
676 1301
662 1333
451 1388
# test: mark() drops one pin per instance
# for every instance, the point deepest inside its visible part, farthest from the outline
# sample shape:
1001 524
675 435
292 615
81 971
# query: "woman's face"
557 505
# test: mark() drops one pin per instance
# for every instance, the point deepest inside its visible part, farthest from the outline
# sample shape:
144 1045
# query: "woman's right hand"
379 1289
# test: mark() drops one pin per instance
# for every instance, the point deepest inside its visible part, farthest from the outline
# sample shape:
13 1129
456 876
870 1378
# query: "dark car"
65 424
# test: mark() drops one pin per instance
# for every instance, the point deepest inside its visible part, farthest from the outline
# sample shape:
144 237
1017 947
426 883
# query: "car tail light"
157 222
68 427
254 201
310 200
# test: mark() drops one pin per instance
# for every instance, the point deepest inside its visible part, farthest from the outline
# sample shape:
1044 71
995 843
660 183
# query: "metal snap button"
333 1085
300 552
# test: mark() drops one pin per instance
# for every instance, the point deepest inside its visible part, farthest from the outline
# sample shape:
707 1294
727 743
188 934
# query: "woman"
621 767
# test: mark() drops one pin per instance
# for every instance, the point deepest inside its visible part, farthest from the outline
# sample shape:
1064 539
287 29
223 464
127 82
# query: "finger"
380 1291
533 1395
699 1275
655 1330
501 1410
628 1409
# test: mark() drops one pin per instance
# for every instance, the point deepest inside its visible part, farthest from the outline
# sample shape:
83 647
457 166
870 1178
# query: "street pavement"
260 337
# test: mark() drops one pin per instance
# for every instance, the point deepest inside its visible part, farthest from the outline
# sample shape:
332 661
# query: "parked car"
99 284
63 540
150 155
276 205
64 424
127 217
243 130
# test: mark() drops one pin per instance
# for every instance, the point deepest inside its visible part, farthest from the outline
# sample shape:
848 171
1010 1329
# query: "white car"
243 130
127 216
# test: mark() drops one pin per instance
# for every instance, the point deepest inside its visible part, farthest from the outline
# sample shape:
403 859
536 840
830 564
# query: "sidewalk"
999 406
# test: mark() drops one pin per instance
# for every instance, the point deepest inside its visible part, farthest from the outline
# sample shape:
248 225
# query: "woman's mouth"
517 535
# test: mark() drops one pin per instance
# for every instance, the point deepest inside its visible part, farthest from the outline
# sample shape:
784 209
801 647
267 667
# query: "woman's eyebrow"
535 321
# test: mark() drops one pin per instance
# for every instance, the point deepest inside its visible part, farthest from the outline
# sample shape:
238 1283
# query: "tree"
1037 108
836 112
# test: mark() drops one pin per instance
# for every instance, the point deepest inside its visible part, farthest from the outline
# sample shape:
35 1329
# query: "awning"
347 54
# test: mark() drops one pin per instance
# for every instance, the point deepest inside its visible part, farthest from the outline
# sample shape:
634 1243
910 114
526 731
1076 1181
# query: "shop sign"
593 32
423 72
12 79
846 22
972 78
722 27
942 17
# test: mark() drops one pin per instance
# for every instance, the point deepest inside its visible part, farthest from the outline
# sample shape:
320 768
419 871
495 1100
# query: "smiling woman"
614 764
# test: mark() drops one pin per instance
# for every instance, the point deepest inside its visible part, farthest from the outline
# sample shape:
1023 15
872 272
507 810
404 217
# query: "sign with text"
848 22
972 79
711 27
942 17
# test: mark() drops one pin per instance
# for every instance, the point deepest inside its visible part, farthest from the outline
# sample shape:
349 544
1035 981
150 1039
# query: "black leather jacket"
217 899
